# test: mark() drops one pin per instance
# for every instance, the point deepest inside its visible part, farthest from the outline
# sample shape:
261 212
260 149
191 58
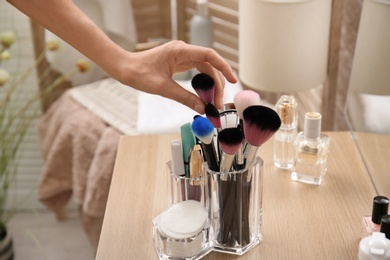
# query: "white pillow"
158 115
369 113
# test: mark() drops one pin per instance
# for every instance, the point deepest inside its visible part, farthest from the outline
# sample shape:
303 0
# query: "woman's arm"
149 71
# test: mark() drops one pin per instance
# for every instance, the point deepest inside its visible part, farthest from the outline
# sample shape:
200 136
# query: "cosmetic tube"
311 151
287 109
370 224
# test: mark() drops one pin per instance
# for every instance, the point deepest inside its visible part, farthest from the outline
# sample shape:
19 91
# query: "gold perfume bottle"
287 109
311 150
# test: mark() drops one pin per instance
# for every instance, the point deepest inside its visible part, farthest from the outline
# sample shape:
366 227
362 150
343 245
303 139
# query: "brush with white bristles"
244 99
204 131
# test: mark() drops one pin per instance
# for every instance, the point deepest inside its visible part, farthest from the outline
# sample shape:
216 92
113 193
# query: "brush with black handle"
203 129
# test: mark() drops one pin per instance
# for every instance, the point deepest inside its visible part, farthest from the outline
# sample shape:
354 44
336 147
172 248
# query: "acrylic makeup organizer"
233 203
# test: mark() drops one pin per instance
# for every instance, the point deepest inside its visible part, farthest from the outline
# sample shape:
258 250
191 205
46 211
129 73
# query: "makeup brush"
260 123
230 140
213 115
203 85
244 99
204 131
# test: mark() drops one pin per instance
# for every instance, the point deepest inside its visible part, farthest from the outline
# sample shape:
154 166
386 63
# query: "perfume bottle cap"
312 128
375 246
287 109
379 208
385 225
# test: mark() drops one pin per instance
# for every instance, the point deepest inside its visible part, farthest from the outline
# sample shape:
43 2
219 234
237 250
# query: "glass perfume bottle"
311 149
287 109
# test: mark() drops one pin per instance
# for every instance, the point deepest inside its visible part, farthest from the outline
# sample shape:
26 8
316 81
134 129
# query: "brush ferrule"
250 158
225 165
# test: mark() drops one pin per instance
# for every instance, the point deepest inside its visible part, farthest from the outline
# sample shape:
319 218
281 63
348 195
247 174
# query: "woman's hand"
151 71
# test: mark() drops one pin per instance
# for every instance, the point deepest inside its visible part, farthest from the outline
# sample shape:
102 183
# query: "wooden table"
300 221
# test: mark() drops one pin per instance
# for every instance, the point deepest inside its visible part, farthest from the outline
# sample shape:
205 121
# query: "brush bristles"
203 129
244 99
213 115
260 123
203 85
230 140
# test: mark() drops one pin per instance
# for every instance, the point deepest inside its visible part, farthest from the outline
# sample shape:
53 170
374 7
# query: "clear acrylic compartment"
235 208
193 242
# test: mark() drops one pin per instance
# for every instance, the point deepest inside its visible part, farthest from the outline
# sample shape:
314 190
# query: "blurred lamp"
283 44
371 63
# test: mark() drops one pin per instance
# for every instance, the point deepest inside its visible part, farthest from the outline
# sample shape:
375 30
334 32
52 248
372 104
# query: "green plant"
16 120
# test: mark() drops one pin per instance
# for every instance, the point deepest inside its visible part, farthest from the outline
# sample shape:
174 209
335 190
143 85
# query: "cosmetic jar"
235 208
182 231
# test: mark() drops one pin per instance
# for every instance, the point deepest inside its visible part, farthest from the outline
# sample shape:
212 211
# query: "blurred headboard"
152 21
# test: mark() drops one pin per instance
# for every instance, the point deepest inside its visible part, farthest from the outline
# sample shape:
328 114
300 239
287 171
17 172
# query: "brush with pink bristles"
213 115
260 123
230 141
203 85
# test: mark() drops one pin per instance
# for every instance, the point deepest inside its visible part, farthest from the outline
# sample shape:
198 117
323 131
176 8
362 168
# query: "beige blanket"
79 151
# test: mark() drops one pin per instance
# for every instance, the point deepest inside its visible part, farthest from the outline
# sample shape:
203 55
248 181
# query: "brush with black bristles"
204 131
230 140
203 85
260 123
213 115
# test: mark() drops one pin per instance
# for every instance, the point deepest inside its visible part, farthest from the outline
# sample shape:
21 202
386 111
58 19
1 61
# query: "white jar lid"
376 246
183 220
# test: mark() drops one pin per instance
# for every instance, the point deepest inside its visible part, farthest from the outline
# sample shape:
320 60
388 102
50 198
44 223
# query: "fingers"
174 91
200 55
